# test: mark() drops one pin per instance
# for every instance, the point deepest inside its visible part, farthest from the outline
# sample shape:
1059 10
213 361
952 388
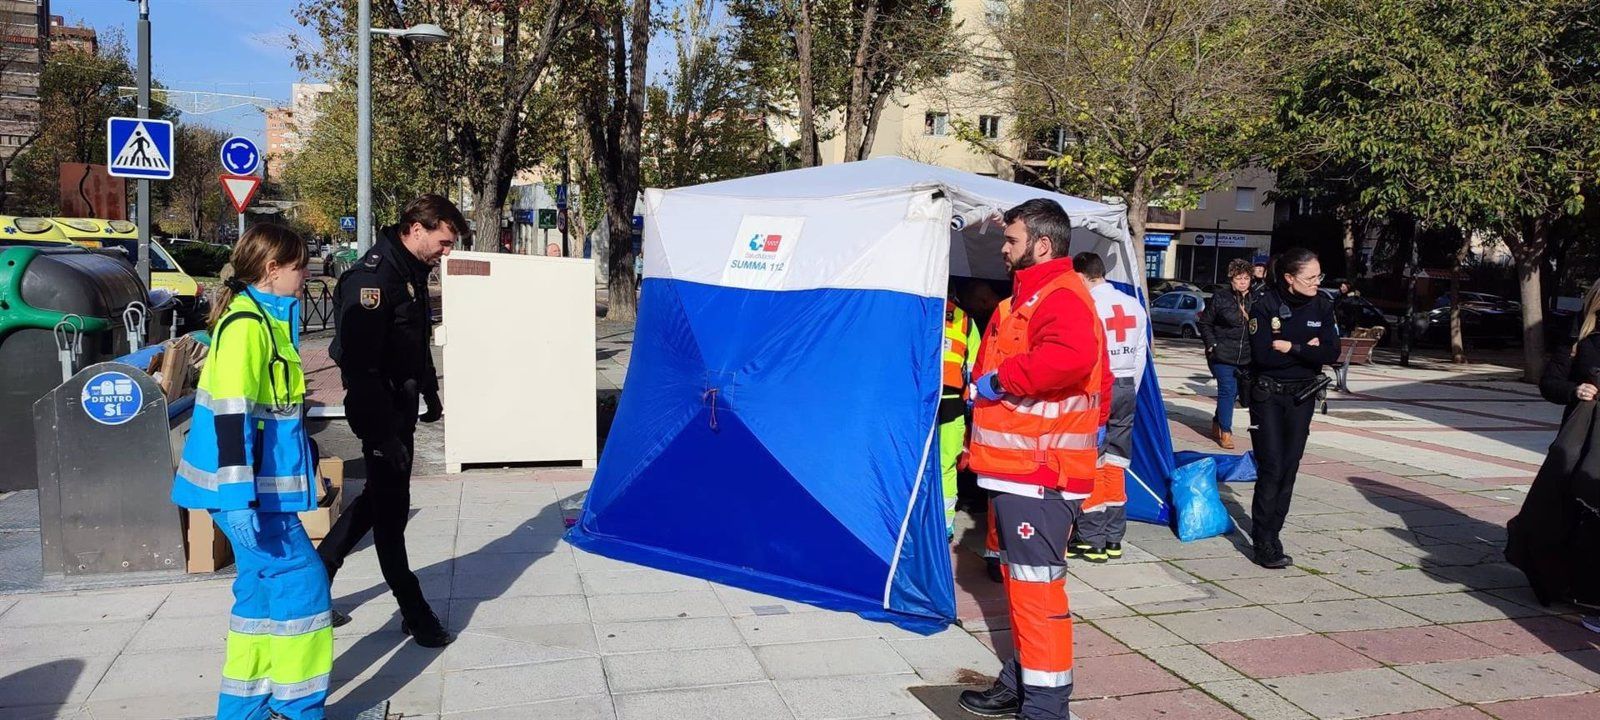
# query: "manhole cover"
1362 415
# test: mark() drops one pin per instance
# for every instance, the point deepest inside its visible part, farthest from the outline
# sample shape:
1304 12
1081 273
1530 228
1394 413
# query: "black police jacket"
1296 320
1224 327
385 327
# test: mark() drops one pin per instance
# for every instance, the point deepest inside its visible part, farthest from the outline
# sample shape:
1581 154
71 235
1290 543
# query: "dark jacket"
1565 372
385 327
1555 537
1224 326
1297 320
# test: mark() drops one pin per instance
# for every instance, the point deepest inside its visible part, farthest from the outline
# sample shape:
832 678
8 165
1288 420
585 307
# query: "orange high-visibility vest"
957 325
1016 436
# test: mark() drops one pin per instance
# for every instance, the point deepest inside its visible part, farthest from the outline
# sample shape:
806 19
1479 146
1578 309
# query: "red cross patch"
1025 531
1120 323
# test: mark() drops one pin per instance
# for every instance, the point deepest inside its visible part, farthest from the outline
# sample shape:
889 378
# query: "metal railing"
317 309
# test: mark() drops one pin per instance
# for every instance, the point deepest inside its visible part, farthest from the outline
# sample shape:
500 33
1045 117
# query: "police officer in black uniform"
385 325
1292 335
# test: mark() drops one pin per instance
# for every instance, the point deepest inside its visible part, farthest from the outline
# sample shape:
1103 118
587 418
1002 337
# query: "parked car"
1478 298
1162 286
1178 312
1481 324
1364 313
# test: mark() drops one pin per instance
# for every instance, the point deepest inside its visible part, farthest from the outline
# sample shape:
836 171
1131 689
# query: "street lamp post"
425 33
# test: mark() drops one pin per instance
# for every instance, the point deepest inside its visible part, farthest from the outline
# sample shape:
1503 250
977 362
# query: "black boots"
996 702
1269 554
428 631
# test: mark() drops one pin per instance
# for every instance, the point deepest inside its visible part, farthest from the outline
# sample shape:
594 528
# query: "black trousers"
383 508
1278 428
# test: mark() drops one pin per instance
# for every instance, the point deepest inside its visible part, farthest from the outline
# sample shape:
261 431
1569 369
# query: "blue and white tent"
777 428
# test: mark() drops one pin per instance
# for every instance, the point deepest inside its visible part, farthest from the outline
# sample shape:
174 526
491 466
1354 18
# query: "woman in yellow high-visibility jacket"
248 462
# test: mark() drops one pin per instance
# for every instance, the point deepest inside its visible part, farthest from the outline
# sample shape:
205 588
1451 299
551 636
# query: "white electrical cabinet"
519 359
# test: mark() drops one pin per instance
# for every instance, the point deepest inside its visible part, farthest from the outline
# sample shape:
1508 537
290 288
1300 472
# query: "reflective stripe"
222 406
211 481
266 626
264 686
246 688
1098 508
1010 487
1017 441
1036 573
1045 678
1117 461
295 691
281 483
1051 409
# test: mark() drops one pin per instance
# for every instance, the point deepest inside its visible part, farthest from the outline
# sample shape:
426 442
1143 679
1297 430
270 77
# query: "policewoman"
248 462
1292 336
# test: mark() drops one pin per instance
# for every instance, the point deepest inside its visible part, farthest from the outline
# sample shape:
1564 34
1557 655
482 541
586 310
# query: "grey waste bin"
84 294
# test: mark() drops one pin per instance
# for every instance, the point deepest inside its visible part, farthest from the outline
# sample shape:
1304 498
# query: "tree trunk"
1529 254
622 188
494 182
807 90
1138 204
857 104
1458 346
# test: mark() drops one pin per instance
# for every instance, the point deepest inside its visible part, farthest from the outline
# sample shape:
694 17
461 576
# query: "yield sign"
240 189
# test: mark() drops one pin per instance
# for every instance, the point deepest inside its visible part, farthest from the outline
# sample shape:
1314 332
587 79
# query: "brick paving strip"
1400 604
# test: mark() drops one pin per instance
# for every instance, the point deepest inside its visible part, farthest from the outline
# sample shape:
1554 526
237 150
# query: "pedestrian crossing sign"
139 148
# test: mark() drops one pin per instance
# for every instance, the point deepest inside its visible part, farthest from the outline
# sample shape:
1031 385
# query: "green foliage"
200 259
1151 99
322 175
77 92
705 121
1479 114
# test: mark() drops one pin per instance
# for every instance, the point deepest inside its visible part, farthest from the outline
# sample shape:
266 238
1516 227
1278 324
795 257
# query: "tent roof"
897 174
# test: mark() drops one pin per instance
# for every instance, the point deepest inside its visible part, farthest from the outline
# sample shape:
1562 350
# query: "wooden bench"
1355 350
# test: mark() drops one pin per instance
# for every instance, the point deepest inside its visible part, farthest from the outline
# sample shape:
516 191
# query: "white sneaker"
1591 621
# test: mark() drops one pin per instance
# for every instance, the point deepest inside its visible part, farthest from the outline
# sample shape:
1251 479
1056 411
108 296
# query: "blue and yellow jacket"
247 445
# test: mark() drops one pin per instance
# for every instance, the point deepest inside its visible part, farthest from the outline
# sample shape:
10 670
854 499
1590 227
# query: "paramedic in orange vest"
1035 446
960 353
1105 518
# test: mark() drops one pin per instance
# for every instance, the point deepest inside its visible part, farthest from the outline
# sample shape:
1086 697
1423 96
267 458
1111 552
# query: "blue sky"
225 46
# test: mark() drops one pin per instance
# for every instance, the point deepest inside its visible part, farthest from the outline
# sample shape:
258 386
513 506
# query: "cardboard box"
208 549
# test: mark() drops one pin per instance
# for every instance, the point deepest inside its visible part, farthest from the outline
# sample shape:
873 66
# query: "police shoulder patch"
1253 326
371 298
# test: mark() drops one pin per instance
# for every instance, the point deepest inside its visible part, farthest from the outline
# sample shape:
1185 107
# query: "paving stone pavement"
1400 604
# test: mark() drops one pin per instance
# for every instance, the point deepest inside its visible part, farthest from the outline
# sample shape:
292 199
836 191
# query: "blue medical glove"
246 526
989 387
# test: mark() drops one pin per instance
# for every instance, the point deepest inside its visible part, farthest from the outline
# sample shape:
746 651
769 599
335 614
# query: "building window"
936 123
989 125
1155 261
1244 199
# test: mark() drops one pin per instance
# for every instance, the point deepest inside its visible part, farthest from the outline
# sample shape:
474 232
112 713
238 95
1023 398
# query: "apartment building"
24 31
1233 220
287 125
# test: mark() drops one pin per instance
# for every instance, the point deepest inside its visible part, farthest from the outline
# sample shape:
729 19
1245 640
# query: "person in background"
960 354
248 461
1127 329
1292 336
1035 447
1555 537
1258 279
382 349
1223 328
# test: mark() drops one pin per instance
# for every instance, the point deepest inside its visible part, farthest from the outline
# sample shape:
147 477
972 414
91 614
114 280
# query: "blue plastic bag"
1198 506
1230 467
